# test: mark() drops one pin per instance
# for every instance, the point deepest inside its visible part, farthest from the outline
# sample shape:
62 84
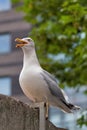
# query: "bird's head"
25 42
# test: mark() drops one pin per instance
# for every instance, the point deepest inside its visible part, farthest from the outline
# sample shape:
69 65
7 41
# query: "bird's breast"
32 84
29 77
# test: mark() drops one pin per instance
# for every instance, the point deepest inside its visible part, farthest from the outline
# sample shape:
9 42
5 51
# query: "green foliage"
60 30
83 119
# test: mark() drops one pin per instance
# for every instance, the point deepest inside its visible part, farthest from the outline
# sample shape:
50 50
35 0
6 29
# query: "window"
5 43
5 86
5 5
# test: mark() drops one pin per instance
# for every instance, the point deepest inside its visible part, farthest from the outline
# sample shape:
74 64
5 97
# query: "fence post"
15 115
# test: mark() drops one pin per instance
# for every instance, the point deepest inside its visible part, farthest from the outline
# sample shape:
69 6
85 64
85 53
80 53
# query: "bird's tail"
67 106
70 108
73 107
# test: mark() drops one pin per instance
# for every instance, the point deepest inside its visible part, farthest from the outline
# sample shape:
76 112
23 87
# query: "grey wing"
57 92
53 86
50 76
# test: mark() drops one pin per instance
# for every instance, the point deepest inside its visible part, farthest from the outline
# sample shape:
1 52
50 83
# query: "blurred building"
12 26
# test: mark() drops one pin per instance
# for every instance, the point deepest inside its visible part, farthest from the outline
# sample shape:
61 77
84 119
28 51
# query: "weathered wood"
15 115
42 119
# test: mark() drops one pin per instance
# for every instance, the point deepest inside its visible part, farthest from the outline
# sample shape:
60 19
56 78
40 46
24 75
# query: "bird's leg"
42 118
40 105
47 109
35 105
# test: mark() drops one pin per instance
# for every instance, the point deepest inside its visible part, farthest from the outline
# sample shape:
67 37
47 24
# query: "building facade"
12 26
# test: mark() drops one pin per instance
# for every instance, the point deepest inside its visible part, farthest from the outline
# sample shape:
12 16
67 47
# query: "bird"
38 84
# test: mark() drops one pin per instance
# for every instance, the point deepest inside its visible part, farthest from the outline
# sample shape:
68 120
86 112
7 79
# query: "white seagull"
38 84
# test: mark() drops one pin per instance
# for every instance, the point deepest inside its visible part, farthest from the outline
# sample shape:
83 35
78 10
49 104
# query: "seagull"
38 84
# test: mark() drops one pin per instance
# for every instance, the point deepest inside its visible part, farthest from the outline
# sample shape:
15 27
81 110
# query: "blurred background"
59 30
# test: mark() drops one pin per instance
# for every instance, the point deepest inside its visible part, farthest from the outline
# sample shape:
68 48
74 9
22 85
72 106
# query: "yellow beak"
20 43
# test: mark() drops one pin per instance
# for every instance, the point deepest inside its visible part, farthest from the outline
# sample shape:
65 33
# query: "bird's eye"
29 40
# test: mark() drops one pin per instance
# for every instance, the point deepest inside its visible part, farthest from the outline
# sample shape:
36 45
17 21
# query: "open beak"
20 42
